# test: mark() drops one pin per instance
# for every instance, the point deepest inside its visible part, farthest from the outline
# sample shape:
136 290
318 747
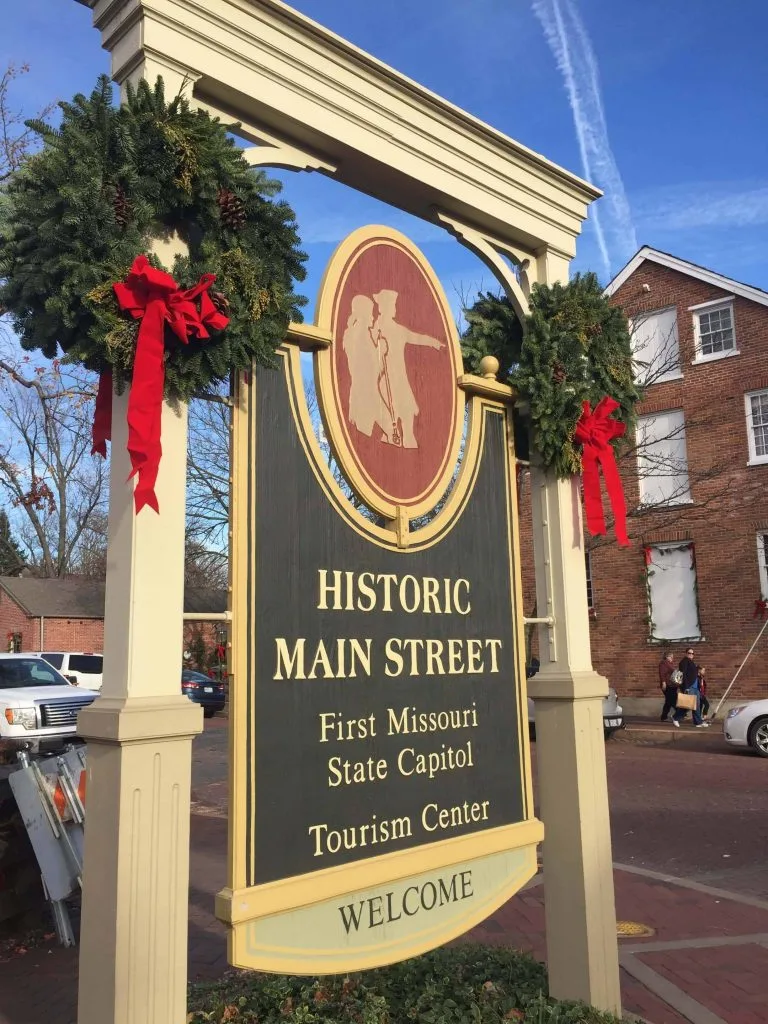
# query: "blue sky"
660 104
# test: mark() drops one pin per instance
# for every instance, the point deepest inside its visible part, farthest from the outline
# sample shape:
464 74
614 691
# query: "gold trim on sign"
331 288
249 904
238 633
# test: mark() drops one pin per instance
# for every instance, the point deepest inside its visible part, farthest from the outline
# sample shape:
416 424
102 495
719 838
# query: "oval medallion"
396 410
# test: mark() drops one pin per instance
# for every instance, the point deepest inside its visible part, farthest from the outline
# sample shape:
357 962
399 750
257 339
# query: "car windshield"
89 664
19 672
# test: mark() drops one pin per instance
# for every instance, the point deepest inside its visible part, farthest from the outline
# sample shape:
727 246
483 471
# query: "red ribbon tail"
616 494
593 502
145 404
102 416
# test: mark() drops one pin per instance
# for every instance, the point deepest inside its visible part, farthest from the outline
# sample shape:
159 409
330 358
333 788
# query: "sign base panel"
385 924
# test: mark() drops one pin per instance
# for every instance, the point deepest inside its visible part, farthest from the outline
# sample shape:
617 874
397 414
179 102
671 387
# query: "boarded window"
674 607
662 459
762 563
655 346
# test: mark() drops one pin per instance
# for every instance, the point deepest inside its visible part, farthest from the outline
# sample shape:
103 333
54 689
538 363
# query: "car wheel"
209 712
758 736
609 733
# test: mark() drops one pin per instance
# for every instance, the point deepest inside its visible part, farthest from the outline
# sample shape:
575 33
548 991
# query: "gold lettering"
360 654
455 663
366 592
468 607
334 589
431 600
321 661
349 606
435 658
414 646
392 652
292 664
474 658
387 578
495 646
412 582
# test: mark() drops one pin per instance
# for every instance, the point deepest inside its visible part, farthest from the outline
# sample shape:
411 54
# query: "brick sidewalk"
706 962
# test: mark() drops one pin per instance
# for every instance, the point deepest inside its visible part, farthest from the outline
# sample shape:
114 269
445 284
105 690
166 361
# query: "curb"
658 735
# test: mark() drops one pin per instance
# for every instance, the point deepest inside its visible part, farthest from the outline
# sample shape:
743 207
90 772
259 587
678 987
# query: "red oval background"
400 475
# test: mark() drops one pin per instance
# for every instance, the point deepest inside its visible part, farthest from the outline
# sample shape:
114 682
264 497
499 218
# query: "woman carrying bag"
689 698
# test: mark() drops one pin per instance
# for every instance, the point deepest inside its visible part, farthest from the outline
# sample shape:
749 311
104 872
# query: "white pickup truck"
38 707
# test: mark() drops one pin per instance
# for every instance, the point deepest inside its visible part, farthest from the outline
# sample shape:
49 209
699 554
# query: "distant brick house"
696 487
68 614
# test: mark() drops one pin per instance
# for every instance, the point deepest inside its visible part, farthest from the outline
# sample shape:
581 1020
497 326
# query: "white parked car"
613 714
747 726
81 668
38 707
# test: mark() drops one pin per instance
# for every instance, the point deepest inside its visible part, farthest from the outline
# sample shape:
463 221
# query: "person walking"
675 686
690 684
688 667
666 668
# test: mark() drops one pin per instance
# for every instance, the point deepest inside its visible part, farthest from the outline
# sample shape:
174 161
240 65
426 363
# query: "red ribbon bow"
594 432
153 297
761 608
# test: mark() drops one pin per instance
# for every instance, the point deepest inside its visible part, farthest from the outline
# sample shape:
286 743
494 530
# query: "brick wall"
74 634
14 620
728 507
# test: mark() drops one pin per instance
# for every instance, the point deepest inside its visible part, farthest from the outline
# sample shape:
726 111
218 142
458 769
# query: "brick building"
696 484
68 614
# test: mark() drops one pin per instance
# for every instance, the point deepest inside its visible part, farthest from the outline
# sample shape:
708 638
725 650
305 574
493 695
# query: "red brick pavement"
740 995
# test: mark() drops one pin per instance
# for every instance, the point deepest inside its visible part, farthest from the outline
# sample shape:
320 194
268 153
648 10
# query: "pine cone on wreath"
231 209
122 208
558 373
221 302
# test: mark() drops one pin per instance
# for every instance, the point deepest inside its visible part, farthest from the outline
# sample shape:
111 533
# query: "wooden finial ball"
489 367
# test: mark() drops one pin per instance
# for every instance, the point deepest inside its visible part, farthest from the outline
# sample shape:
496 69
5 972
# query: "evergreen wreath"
574 346
105 184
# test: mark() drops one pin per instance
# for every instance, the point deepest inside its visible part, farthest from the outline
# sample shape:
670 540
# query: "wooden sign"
380 788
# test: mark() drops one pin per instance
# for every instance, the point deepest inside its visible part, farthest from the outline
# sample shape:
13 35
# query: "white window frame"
697 635
645 478
762 562
590 581
754 458
641 367
712 307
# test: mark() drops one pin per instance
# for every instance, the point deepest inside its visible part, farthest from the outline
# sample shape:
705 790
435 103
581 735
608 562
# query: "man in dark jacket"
688 667
668 690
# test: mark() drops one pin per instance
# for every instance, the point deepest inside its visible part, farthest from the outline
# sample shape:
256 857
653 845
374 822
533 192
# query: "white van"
81 668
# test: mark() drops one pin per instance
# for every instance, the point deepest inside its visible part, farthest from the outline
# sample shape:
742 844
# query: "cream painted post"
582 946
133 943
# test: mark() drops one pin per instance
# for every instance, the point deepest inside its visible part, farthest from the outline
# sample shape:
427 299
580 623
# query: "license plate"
207 689
614 723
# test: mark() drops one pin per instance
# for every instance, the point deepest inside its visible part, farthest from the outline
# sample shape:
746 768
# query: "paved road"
693 808
697 810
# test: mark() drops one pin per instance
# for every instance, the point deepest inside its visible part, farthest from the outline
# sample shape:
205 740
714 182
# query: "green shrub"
459 985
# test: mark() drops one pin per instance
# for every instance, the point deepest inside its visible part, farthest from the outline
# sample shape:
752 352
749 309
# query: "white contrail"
568 40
